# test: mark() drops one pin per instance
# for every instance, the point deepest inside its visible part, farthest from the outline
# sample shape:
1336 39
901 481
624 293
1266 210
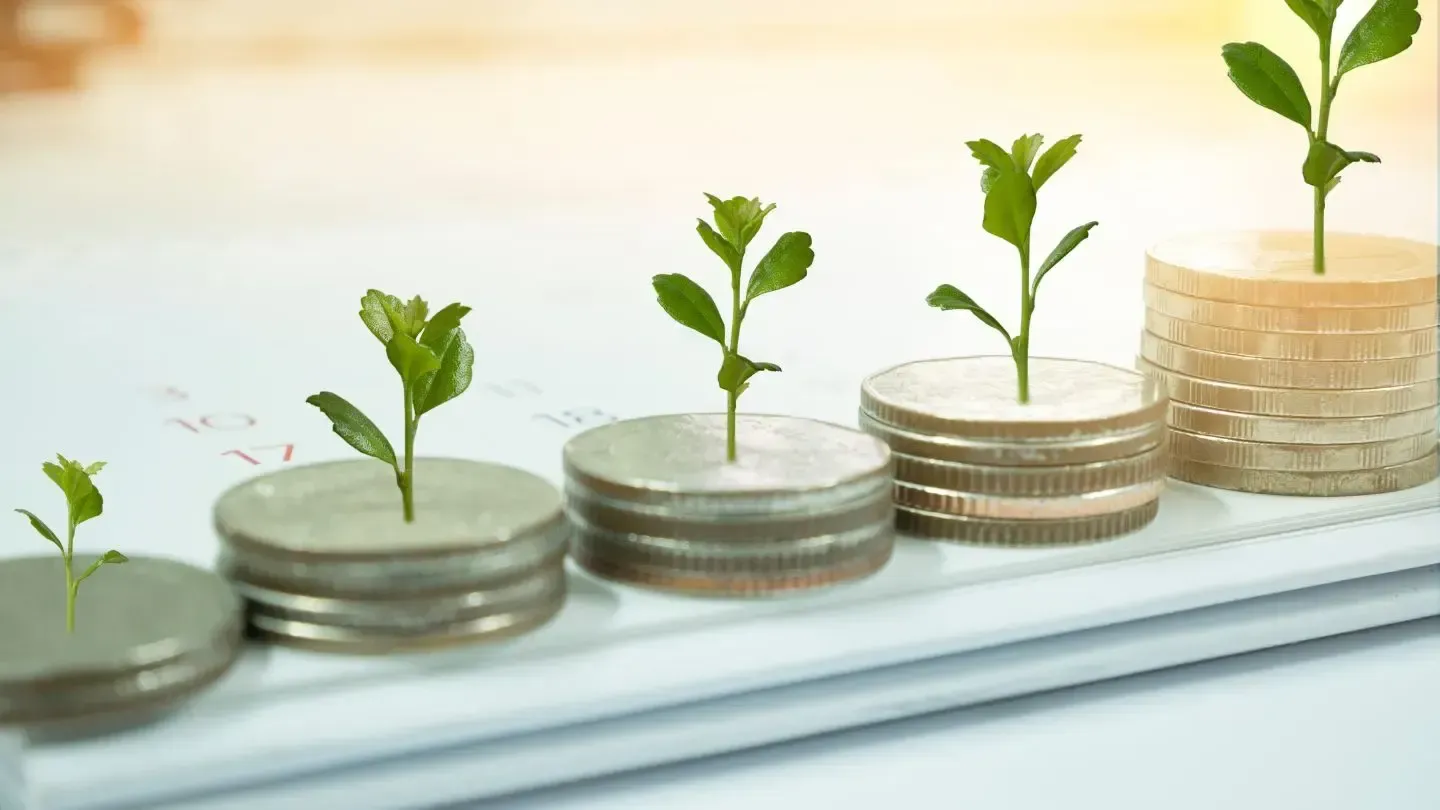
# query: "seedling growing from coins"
435 364
1010 182
83 502
737 221
1386 30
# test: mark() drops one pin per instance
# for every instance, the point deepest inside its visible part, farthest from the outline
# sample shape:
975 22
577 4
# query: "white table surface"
1341 724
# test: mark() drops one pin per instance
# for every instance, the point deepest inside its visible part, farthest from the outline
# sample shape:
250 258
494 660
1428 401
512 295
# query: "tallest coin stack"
1285 382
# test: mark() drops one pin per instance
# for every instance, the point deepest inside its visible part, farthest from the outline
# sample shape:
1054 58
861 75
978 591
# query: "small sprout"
1009 183
435 364
1386 30
84 502
737 221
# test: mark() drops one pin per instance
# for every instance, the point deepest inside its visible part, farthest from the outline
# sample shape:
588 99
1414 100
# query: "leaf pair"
1010 185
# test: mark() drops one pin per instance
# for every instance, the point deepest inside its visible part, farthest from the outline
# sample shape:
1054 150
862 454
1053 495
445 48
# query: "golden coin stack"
1287 382
1082 460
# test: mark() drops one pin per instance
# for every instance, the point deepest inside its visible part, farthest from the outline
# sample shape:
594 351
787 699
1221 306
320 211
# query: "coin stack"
656 502
148 635
1082 460
1286 382
325 560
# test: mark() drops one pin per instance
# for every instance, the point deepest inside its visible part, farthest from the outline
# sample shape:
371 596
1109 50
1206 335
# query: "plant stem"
70 585
1021 349
732 398
407 478
1322 131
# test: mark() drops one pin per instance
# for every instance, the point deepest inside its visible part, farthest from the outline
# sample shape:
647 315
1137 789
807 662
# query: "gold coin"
1299 430
1301 457
991 532
1320 484
1016 454
976 398
1339 375
1295 402
1292 346
1276 269
1310 320
1069 479
1055 507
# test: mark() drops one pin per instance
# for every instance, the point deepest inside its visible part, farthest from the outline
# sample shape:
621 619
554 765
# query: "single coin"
1311 319
1318 484
1293 346
1060 507
1277 268
1301 457
1295 402
1259 371
1004 532
783 464
976 398
148 632
339 527
1300 430
1016 454
1030 482
352 641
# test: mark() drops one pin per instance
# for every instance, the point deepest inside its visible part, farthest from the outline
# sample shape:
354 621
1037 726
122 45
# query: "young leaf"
1321 21
786 264
719 246
412 360
738 218
1054 159
1325 161
111 557
375 309
452 378
947 297
81 496
354 427
95 468
737 370
445 321
753 217
414 314
42 528
689 304
1067 243
1267 80
1025 149
1386 30
1010 201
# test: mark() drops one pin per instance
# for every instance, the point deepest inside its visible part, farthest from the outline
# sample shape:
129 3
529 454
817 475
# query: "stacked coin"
657 502
147 635
325 560
1286 382
1082 460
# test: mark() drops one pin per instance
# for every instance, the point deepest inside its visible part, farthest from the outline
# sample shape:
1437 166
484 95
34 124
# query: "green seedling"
737 221
84 502
435 363
1386 30
1010 182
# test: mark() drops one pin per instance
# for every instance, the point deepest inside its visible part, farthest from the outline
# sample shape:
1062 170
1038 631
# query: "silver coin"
336 639
1058 507
1034 453
976 398
1006 532
337 527
1031 482
146 634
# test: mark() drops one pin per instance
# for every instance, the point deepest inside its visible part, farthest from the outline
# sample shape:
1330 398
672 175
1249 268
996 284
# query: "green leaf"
42 528
81 496
111 557
1010 202
1267 80
457 363
719 246
737 370
95 468
375 311
786 264
1068 242
1025 149
1321 21
988 178
414 316
412 360
947 298
445 321
354 427
739 218
1325 161
1054 159
1387 29
689 304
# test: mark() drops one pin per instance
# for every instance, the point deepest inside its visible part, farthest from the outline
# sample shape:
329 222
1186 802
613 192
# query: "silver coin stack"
148 635
325 561
1083 460
655 502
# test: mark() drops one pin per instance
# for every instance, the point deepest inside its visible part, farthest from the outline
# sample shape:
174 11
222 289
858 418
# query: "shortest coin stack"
148 635
325 560
1083 460
656 503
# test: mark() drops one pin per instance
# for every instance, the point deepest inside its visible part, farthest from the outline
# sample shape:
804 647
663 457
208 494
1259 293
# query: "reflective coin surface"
1319 484
1266 372
1300 457
1295 402
1293 346
1058 507
1002 532
1300 430
1308 319
1032 482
